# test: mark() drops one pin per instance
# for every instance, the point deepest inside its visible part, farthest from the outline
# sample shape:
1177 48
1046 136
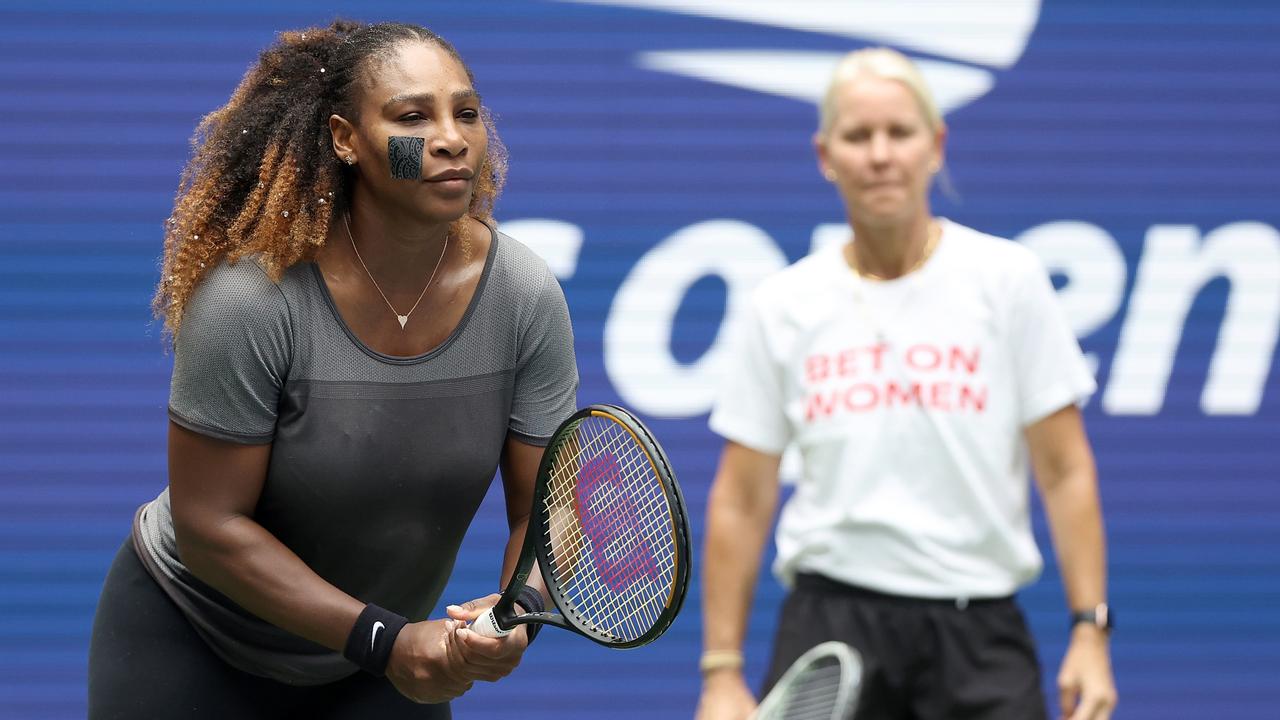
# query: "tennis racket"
822 684
609 533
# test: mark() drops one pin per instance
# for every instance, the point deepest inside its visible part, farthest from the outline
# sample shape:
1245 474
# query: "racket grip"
487 626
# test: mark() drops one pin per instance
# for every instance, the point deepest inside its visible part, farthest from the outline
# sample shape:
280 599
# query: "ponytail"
263 179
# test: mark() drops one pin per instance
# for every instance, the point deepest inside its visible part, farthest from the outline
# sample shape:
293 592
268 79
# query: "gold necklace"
404 319
935 234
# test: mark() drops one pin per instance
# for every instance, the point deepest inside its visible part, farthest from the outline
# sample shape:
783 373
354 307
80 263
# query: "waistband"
810 582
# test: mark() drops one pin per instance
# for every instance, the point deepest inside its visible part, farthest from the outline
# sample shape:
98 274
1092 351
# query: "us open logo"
959 52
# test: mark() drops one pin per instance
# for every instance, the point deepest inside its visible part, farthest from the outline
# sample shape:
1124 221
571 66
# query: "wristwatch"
1100 616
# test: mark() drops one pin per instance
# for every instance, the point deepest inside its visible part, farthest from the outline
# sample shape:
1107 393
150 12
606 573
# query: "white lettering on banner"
637 334
1175 265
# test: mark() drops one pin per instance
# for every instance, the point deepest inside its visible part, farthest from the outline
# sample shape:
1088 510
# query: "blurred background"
661 162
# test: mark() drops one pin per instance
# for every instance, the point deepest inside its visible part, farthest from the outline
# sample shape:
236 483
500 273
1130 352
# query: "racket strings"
609 530
641 615
814 695
821 685
585 589
596 594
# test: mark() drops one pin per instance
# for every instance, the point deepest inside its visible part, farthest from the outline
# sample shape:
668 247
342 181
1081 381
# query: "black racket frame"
534 549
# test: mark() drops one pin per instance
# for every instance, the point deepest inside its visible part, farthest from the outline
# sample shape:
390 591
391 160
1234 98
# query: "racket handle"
487 626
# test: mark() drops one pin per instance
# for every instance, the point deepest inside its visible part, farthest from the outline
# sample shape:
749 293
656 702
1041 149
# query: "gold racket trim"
675 535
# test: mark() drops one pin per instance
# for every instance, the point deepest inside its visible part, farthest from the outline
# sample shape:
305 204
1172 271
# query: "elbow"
204 548
1071 471
517 524
1073 481
732 497
192 549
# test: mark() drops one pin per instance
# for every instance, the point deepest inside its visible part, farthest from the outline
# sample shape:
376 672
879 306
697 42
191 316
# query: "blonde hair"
884 63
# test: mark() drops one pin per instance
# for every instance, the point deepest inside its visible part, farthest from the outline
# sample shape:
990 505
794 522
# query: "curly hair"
263 179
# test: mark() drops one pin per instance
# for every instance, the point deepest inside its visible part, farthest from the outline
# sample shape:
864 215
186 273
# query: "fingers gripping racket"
822 684
609 532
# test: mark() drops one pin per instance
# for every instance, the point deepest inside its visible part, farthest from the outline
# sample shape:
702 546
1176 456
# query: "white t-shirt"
906 400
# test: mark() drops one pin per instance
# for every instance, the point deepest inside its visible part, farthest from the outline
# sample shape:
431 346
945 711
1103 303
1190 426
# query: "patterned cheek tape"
404 155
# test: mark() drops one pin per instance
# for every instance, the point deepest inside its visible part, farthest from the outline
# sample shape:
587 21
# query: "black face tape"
404 155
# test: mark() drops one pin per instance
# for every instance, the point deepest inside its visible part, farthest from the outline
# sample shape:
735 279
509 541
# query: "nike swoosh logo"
373 639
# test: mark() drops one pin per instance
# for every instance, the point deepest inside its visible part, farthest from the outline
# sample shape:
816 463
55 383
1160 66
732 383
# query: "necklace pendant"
403 319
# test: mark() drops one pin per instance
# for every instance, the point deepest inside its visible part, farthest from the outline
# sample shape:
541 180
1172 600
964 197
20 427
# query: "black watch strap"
1101 616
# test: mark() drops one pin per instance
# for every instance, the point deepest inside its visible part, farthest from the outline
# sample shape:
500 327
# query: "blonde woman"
919 368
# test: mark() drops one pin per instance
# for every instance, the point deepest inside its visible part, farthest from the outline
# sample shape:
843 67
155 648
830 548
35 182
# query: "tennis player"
919 369
357 351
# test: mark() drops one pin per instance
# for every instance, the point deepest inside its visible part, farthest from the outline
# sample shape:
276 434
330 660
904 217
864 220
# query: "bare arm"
739 516
1065 474
1067 478
500 656
214 488
519 473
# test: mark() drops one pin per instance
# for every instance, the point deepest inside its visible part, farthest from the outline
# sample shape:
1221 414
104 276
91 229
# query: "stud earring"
830 175
350 160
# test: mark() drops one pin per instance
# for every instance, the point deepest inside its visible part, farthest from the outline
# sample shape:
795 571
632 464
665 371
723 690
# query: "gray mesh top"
378 463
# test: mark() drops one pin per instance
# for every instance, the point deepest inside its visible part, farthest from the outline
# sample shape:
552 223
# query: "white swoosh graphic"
992 33
373 639
804 75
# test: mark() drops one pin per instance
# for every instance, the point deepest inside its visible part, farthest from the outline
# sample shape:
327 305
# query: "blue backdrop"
661 162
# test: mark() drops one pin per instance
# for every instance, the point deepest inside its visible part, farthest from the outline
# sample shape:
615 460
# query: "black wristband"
371 639
531 601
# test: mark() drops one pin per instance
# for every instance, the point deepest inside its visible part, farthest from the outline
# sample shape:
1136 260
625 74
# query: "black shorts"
146 661
922 659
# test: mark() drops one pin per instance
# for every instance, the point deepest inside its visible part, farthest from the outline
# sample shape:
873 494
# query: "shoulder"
990 249
519 273
240 281
516 254
241 292
995 258
802 284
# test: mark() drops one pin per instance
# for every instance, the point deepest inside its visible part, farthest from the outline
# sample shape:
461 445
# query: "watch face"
1100 617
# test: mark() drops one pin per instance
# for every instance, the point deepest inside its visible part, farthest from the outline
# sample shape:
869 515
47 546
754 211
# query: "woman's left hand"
487 658
1086 688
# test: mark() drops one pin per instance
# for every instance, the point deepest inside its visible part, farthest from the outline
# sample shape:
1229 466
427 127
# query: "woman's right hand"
426 663
725 696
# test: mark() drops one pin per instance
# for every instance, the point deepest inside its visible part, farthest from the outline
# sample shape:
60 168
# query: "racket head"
613 534
821 684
